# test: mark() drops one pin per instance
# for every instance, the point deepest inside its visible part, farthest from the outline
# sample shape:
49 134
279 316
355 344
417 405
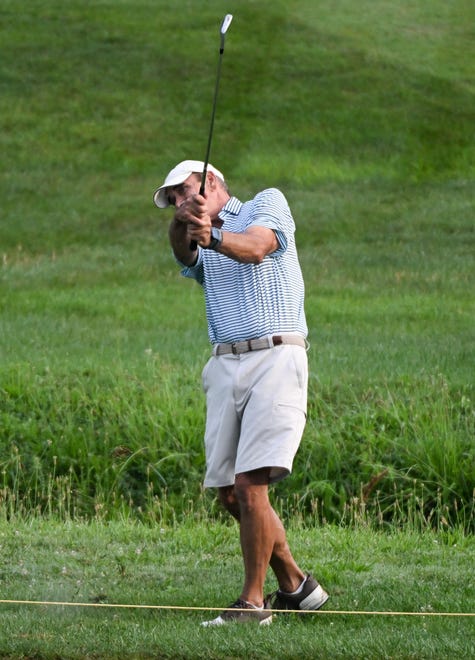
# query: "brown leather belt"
239 347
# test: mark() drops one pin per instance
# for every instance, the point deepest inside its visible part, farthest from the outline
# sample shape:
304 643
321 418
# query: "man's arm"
180 242
249 247
192 222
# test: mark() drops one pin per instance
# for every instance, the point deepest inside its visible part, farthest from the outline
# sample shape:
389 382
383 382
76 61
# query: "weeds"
98 446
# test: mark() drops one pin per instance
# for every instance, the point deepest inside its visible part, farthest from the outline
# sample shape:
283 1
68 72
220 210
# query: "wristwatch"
216 239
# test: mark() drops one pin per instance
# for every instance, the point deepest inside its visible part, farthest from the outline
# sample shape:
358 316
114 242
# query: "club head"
224 26
226 23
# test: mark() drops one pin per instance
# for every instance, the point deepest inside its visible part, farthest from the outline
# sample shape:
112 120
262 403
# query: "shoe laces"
240 604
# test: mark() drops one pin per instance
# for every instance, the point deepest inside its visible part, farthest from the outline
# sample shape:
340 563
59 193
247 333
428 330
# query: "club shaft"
193 244
224 26
213 114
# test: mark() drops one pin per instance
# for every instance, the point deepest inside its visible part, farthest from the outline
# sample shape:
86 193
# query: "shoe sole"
315 600
219 621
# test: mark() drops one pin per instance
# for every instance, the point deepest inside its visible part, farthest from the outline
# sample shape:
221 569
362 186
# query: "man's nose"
179 199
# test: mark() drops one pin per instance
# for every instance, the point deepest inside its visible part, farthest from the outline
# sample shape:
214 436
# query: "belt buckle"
233 348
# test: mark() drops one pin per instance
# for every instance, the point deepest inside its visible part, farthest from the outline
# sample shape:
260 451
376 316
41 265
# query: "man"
245 258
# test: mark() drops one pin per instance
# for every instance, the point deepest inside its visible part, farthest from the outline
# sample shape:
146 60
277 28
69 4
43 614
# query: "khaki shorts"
256 412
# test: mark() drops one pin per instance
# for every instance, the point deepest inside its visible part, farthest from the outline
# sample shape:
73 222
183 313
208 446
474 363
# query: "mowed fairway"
363 114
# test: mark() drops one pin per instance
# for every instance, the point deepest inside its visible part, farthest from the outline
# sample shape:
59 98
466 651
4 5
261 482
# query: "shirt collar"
232 207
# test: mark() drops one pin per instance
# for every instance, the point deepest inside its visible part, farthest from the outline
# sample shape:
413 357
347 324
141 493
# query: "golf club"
224 27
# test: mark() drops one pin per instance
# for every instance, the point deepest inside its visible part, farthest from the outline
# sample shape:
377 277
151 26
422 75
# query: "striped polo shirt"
246 301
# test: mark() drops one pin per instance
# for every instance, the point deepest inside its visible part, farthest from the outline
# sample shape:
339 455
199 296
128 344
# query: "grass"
101 344
363 114
113 441
198 564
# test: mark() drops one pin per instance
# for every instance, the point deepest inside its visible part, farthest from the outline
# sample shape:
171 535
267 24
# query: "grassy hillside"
363 113
100 99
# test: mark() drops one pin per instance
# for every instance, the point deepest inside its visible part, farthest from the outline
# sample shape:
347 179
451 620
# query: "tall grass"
93 445
112 439
391 452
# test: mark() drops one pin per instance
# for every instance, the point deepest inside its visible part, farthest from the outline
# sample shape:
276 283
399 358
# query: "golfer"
244 257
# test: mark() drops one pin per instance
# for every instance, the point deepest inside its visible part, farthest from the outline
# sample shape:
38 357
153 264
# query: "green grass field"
363 114
178 572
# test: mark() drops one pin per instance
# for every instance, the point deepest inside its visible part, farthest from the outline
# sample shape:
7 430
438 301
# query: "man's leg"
262 534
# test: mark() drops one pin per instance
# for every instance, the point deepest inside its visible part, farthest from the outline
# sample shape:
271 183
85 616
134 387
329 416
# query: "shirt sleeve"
195 272
271 210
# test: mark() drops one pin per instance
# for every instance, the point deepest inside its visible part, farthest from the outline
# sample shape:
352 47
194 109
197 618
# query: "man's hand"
193 212
191 222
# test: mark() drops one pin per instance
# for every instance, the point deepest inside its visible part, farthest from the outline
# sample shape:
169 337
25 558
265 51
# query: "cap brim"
178 175
160 197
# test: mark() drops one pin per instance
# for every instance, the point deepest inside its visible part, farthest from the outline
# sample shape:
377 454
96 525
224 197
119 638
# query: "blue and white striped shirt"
246 301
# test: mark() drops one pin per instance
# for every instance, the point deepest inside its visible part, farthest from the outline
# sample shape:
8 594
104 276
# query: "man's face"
178 194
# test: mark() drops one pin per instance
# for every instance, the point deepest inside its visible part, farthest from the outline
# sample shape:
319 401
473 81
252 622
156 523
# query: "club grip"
194 244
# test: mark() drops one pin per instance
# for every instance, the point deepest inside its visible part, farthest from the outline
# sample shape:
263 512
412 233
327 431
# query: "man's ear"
211 180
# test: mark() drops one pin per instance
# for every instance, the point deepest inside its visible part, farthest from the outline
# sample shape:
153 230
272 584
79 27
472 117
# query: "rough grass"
97 444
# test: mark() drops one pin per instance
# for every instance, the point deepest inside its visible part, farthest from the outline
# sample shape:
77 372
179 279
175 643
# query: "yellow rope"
220 609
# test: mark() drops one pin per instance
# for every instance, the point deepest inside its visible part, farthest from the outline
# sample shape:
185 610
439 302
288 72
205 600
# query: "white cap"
179 174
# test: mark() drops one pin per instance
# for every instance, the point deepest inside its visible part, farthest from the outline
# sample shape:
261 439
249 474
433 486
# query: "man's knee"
251 488
228 500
